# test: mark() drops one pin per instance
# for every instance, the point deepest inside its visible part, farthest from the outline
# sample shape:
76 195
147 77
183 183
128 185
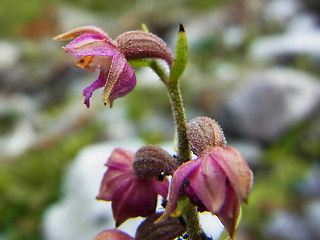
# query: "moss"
32 181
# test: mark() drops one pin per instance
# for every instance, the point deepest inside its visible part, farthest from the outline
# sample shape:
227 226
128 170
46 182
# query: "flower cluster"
217 180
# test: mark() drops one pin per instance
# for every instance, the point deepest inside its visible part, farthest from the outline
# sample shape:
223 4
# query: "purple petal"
88 91
236 168
132 198
113 234
90 45
82 30
208 183
161 188
178 178
111 182
120 81
230 211
119 163
120 159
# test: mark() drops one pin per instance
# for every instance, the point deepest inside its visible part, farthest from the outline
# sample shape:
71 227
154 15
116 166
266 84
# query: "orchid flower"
93 49
218 180
131 196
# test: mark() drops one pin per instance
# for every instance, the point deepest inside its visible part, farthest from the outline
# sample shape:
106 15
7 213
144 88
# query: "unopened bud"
139 44
204 134
170 228
153 161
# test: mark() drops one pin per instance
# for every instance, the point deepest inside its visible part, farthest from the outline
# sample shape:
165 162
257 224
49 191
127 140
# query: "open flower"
95 49
218 181
131 195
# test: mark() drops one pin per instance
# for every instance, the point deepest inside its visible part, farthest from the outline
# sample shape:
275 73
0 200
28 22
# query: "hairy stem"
184 150
193 223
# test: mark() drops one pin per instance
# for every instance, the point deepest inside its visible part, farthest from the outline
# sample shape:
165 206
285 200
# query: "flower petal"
230 211
208 183
178 178
162 187
80 31
132 198
119 163
120 159
88 91
90 45
113 234
120 81
236 168
140 44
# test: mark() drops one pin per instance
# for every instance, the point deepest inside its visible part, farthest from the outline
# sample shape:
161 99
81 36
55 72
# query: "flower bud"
140 44
170 228
204 134
150 161
181 59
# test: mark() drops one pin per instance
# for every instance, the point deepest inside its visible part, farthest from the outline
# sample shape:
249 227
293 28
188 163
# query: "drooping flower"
131 196
217 182
94 49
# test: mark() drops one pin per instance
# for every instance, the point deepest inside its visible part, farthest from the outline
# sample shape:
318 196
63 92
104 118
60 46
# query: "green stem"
193 223
184 150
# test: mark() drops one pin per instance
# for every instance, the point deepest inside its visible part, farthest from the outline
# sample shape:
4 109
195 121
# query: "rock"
270 102
300 39
10 54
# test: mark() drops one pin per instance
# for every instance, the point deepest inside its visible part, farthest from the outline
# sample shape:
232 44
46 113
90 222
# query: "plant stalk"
184 151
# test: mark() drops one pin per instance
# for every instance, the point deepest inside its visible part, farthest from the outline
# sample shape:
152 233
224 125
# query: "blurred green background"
43 123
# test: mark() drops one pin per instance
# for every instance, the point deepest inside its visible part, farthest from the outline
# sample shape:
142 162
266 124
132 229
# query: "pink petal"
236 168
113 235
120 81
132 198
161 188
90 45
230 211
178 178
88 91
110 184
208 183
120 159
82 30
119 164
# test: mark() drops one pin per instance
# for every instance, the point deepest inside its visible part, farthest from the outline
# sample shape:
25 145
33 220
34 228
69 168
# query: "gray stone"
10 54
301 37
270 102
